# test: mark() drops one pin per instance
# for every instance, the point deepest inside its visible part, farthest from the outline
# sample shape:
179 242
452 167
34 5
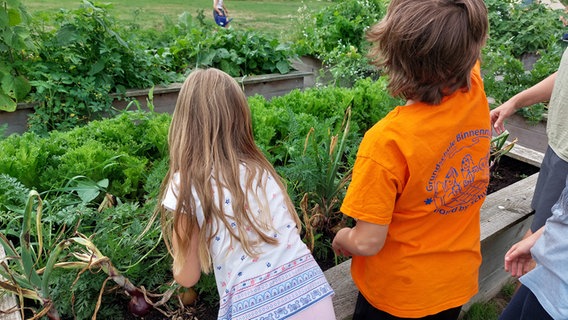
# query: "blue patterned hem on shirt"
278 294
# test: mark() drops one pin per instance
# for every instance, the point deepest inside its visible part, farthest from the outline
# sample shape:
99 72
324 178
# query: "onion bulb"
138 306
187 296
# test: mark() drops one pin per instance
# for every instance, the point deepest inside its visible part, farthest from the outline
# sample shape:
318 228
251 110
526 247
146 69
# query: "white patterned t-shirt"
283 280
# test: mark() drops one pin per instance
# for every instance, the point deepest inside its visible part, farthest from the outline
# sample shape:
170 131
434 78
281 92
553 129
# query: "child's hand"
337 247
341 252
518 260
364 239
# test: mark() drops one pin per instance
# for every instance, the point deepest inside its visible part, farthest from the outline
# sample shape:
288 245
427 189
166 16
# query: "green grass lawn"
274 17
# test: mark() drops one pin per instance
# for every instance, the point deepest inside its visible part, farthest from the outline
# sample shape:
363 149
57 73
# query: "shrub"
84 57
237 52
335 35
120 149
518 31
15 43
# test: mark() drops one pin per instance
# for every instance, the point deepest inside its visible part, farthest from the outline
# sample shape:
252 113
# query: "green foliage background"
75 63
130 150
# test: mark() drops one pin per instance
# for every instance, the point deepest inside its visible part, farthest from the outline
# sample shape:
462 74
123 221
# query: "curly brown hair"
428 47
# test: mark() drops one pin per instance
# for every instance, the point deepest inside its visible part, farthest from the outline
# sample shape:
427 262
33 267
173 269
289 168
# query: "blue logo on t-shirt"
455 187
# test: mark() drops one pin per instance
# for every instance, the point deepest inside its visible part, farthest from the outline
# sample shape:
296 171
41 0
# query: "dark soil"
507 171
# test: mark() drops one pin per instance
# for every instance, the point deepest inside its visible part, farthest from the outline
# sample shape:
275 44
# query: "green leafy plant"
519 32
316 162
335 35
523 28
12 198
31 268
237 52
500 147
122 148
325 175
505 76
84 58
15 47
91 259
101 180
21 268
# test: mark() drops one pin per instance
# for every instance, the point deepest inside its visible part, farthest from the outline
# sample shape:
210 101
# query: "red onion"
137 305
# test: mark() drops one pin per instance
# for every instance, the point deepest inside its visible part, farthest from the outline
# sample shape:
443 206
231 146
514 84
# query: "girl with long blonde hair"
224 208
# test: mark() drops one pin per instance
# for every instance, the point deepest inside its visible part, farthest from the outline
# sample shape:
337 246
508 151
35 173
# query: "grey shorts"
549 185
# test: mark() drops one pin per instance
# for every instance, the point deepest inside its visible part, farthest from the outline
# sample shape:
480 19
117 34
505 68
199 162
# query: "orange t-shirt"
423 170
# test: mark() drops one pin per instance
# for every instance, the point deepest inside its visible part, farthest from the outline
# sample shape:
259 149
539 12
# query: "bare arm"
215 7
540 92
365 239
191 269
518 258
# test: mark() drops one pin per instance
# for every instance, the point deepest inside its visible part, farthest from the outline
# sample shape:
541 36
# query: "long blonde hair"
210 139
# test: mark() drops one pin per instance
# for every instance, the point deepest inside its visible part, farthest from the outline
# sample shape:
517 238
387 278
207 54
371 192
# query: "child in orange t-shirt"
421 173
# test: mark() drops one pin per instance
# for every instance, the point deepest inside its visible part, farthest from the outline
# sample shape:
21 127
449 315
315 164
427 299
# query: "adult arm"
365 239
540 92
190 271
518 258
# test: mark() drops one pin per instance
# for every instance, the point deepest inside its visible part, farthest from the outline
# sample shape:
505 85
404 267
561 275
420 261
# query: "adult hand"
499 114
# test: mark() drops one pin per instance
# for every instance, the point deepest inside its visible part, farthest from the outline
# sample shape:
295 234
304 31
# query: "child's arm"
365 239
518 258
191 269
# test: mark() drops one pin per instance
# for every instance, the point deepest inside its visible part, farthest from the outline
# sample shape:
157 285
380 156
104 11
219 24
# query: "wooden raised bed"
268 86
164 98
505 216
531 136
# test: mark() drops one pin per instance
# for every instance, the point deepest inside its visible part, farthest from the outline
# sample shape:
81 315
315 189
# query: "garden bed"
505 215
164 98
529 135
